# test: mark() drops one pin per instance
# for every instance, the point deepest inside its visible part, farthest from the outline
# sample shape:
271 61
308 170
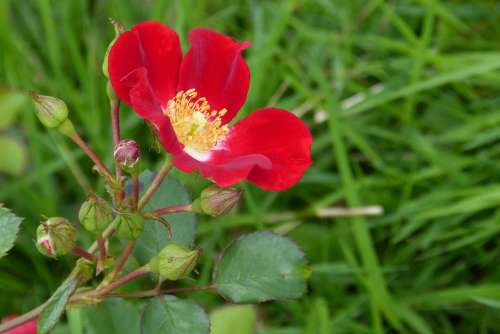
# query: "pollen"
196 125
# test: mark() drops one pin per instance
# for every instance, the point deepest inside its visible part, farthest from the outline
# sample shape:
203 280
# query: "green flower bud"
129 225
174 262
51 111
127 155
55 237
216 201
95 214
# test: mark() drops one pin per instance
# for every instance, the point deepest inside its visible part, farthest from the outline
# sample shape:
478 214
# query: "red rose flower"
191 100
26 328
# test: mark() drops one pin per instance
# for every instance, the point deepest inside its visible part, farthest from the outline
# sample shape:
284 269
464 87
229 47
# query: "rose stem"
115 127
122 281
155 184
88 151
78 251
156 292
123 257
135 190
170 209
101 245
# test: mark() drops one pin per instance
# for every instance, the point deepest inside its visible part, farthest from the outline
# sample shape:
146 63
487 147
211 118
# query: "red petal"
29 327
223 168
148 45
280 136
270 147
215 68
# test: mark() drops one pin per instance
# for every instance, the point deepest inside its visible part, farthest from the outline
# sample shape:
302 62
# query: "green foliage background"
403 100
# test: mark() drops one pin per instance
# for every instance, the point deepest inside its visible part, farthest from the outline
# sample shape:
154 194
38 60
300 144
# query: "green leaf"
261 266
56 304
10 105
225 319
155 235
113 316
9 228
14 157
172 315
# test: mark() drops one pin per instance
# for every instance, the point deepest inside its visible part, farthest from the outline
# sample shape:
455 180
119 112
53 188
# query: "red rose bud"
95 214
52 112
127 155
216 201
55 237
129 225
174 262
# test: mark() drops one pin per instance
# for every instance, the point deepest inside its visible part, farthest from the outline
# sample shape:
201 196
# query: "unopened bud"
55 237
216 201
129 225
119 29
52 112
127 155
95 214
174 262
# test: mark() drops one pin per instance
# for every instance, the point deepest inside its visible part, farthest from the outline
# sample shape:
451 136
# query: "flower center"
196 125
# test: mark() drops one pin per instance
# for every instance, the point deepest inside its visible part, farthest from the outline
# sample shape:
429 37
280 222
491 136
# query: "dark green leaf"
14 157
56 305
171 315
113 316
225 319
261 266
155 235
9 227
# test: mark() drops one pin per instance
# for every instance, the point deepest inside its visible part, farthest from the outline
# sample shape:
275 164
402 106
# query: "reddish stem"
135 190
121 261
157 292
88 151
154 185
170 209
83 253
101 245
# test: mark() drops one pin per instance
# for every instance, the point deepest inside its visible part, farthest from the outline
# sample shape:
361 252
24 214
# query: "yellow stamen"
197 126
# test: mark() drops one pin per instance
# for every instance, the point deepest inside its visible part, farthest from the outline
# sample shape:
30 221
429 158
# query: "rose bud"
129 225
127 155
53 113
174 262
55 237
216 201
95 214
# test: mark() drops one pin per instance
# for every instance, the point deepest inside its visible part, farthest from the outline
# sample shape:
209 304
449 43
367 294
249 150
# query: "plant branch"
124 256
170 209
135 190
158 292
155 184
91 154
106 234
83 253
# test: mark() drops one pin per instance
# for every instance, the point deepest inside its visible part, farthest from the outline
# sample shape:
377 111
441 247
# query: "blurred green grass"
402 98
